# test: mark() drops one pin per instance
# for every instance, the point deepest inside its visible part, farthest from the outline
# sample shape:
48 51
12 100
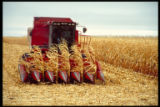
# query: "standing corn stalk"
63 58
76 61
37 62
89 65
52 63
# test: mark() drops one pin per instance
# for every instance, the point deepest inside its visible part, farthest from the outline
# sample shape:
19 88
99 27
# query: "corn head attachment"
59 54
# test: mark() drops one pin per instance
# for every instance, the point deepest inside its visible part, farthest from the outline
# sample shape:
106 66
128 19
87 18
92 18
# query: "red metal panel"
23 73
40 33
40 36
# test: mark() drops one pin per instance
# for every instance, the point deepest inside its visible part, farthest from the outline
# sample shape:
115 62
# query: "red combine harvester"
47 35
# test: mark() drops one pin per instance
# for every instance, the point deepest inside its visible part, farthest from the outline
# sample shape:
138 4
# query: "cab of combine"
49 30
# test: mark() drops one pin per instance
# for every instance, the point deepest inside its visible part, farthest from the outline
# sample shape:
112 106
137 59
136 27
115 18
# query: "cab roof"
52 19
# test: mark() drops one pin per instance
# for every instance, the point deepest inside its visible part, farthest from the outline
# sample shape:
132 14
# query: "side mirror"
84 30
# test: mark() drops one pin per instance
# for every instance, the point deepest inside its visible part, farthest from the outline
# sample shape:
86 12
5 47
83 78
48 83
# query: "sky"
100 18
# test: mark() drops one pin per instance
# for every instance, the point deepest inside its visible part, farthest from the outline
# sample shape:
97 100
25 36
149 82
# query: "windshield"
66 32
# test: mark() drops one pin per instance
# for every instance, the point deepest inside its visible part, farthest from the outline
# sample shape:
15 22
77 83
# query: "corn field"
139 54
129 64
